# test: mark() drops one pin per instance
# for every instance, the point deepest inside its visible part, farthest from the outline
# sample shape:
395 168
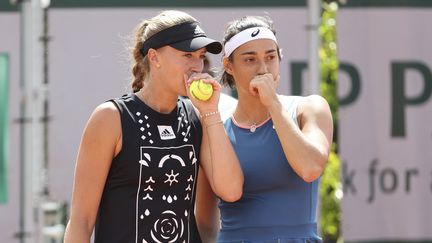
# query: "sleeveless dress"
277 205
149 194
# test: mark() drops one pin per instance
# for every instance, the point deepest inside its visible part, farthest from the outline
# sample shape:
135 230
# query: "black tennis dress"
149 194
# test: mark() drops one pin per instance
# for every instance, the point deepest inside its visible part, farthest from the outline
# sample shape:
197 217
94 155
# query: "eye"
249 59
271 57
202 57
188 55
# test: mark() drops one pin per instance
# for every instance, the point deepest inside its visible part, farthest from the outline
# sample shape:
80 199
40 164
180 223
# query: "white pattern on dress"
147 197
168 228
150 180
171 156
171 177
149 188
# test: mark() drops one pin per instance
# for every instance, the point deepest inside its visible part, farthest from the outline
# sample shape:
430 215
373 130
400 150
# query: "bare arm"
207 212
217 155
307 146
219 160
100 142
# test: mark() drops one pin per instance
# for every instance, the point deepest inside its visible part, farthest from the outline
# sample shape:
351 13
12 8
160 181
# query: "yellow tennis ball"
201 90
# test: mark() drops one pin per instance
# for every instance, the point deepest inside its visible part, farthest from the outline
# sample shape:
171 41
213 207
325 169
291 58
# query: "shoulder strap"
290 103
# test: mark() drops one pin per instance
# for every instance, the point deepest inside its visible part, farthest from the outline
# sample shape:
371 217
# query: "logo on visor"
198 30
255 33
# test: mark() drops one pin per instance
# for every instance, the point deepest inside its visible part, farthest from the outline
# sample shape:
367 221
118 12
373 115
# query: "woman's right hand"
209 105
265 87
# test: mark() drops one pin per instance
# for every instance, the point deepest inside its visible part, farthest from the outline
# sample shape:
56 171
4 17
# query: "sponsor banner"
385 88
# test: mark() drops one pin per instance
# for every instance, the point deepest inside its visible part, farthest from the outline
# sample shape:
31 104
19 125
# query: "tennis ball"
201 90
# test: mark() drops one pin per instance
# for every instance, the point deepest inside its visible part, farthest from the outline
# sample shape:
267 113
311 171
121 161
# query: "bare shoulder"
314 109
106 111
313 104
105 119
107 108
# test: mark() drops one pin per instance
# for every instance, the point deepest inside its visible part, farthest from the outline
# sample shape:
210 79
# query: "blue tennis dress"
277 205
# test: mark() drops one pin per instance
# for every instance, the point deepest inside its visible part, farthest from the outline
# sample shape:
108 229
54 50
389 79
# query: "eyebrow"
254 52
190 52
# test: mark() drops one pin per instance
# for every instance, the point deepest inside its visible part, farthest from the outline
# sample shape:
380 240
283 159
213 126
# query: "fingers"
263 82
277 80
207 79
255 84
212 102
253 88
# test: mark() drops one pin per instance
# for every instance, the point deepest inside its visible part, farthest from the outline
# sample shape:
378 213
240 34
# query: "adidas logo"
166 132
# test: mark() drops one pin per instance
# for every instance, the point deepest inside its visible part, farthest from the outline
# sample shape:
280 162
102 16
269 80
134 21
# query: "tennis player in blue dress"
282 143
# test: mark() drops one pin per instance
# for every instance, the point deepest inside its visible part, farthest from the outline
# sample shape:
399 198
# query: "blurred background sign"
385 85
4 125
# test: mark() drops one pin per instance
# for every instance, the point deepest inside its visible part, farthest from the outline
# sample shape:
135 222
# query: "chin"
183 92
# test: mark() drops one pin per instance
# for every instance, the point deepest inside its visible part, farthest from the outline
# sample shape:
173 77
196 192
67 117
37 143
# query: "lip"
194 76
189 74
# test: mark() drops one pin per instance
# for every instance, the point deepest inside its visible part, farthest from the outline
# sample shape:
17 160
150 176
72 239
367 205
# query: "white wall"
89 64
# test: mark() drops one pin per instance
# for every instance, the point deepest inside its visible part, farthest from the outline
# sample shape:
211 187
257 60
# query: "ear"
227 65
153 58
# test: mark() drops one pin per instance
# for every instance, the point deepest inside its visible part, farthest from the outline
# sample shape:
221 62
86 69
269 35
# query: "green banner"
4 98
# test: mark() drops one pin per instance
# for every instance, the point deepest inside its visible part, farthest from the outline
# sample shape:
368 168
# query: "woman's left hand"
265 87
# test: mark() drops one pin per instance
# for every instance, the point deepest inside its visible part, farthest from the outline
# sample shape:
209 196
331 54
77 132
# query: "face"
174 64
253 58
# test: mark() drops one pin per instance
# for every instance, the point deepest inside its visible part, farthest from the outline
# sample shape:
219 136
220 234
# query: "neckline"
252 128
173 113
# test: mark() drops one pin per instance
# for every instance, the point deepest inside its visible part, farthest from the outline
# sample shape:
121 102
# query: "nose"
197 65
262 68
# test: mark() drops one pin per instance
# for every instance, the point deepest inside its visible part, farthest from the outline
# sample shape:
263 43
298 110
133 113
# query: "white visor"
254 33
